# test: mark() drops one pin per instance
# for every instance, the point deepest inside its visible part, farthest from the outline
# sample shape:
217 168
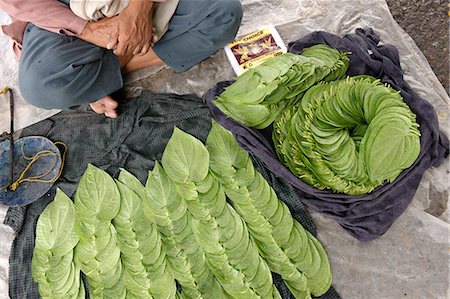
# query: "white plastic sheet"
25 114
412 259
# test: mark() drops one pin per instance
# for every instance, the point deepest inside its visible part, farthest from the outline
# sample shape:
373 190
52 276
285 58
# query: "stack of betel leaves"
345 135
136 241
53 264
349 136
259 95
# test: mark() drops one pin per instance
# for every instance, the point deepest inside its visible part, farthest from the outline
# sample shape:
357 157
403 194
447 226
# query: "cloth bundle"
369 216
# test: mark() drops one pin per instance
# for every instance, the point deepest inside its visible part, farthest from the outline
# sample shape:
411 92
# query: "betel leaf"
59 268
97 198
165 205
349 136
102 266
233 257
222 141
185 257
52 263
148 239
259 96
217 228
54 229
390 146
282 242
97 202
136 279
185 158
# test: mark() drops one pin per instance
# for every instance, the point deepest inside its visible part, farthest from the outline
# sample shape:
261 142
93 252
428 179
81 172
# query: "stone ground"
426 21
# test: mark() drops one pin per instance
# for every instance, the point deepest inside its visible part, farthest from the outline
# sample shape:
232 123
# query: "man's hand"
101 32
134 29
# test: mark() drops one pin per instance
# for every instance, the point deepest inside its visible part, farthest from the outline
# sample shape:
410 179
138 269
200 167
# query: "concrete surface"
427 22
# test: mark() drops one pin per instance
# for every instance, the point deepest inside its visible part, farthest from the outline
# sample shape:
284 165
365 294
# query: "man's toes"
110 103
111 114
97 107
104 105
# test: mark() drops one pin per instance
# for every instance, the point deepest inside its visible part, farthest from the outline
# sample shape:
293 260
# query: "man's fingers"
113 39
137 50
121 49
145 49
111 44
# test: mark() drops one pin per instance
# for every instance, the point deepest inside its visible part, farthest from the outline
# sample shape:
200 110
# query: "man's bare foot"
106 105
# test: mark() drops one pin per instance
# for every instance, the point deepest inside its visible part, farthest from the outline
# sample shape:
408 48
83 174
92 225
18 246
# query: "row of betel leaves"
135 241
348 135
260 95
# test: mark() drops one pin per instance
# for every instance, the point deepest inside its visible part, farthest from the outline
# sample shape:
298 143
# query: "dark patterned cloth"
365 217
133 141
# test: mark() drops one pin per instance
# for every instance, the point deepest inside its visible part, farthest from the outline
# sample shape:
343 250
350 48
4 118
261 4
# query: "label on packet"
253 49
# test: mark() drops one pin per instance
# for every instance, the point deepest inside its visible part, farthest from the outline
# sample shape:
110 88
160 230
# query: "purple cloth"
365 217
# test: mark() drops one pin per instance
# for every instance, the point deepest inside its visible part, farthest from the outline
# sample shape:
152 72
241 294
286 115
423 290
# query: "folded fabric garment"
369 216
133 141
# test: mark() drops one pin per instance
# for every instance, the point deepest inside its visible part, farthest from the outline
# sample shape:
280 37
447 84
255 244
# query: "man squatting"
69 57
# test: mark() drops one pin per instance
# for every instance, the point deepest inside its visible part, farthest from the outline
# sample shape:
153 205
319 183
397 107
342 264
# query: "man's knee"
233 8
43 68
227 16
67 78
231 11
42 87
32 86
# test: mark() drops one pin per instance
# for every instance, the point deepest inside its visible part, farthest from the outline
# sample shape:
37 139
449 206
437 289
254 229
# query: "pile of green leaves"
287 247
349 136
185 256
97 202
114 244
136 241
52 263
218 229
260 95
144 261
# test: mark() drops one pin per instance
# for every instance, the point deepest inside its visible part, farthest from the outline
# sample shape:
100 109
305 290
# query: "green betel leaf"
102 267
97 202
97 198
185 257
260 95
185 158
54 230
349 136
52 262
135 276
249 115
391 146
165 205
59 267
232 257
144 261
224 150
321 281
282 242
130 208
